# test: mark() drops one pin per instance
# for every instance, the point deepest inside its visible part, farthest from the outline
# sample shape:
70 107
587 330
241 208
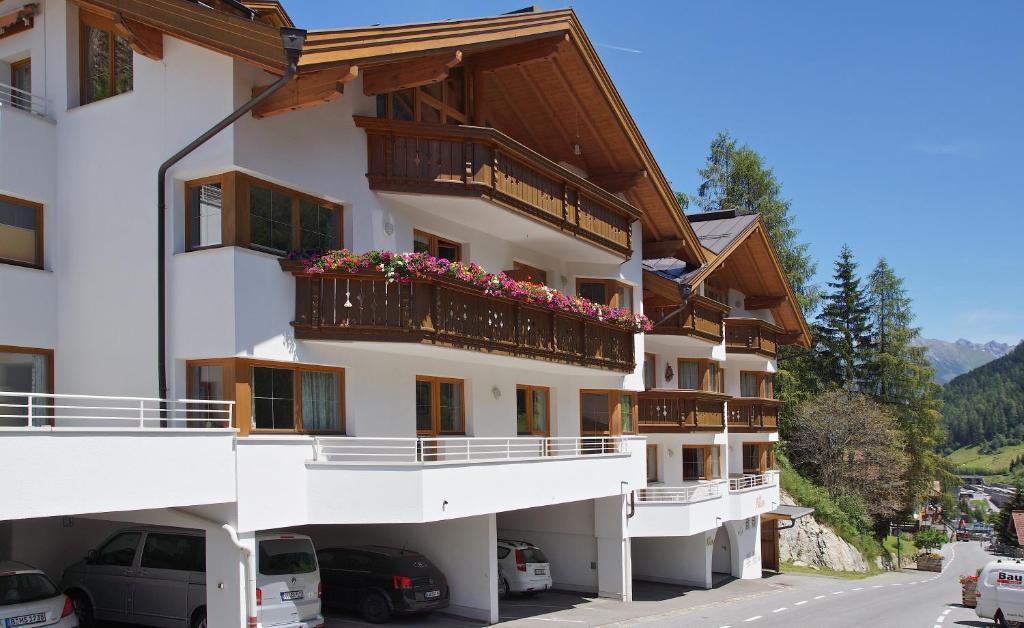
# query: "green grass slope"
971 460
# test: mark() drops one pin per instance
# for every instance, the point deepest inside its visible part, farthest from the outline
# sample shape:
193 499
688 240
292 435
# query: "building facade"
434 382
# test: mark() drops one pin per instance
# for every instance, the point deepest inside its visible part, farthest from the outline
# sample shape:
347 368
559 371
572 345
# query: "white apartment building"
440 412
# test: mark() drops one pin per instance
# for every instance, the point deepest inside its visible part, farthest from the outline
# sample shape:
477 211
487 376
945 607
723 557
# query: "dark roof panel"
716 235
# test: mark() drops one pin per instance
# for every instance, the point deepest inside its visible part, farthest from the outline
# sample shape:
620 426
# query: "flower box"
929 562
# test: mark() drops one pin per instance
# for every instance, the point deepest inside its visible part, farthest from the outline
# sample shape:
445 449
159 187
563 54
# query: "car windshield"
533 555
20 588
285 556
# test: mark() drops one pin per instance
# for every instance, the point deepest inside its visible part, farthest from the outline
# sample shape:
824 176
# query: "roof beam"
412 73
145 40
762 302
664 248
306 91
619 181
520 54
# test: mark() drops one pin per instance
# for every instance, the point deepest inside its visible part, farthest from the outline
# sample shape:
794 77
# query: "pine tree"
899 376
1003 520
842 343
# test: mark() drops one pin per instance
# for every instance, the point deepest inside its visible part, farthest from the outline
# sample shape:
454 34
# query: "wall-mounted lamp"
496 392
389 227
577 149
669 373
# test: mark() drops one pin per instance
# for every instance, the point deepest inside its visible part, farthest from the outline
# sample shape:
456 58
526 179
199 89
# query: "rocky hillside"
811 544
955 358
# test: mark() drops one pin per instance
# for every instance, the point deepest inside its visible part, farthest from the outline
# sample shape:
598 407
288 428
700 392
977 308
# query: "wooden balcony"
343 306
673 410
475 161
701 318
752 335
753 414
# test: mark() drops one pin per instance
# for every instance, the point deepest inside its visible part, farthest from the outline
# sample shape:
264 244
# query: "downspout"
292 40
250 576
685 290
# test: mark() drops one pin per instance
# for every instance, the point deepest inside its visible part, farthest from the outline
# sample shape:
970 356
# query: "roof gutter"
292 40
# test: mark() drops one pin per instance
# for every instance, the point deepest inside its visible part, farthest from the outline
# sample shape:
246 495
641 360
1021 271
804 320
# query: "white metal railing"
38 410
20 99
680 494
427 450
769 478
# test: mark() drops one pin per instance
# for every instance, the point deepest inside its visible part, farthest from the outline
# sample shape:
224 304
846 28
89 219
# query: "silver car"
29 598
147 575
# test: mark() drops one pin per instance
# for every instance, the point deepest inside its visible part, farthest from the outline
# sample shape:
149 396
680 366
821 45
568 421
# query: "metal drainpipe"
250 577
292 39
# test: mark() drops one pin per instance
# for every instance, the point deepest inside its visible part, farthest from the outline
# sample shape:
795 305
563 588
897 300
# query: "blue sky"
895 127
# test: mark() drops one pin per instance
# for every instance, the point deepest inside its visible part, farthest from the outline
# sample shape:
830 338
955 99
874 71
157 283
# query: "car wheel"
503 588
1005 623
198 619
83 609
374 609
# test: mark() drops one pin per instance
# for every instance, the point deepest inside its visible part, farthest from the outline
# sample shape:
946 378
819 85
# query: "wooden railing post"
314 292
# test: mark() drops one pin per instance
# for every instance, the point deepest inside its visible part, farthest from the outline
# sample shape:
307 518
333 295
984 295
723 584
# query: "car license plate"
25 620
540 572
432 594
291 595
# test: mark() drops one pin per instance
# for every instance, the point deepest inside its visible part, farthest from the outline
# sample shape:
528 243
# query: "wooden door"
769 544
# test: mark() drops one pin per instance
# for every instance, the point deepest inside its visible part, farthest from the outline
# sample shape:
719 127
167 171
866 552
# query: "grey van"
148 575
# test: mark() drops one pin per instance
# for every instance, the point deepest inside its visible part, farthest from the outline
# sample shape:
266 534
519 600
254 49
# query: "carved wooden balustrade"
343 306
702 318
477 161
751 335
748 413
672 410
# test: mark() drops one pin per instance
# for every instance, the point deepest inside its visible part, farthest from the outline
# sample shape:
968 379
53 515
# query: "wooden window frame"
238 388
234 211
529 409
15 67
434 243
614 413
525 272
653 357
435 406
703 374
611 291
420 97
40 228
657 464
765 456
765 385
711 471
715 284
99 22
49 353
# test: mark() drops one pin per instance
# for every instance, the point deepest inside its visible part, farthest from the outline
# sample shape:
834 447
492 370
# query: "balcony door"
440 411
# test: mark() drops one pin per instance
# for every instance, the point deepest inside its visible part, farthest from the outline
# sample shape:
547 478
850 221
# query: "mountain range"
956 358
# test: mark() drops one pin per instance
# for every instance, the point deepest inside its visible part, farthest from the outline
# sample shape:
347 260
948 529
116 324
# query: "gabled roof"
739 247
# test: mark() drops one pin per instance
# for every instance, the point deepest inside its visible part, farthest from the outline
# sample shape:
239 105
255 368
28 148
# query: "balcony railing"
475 161
20 99
753 413
769 478
341 306
679 494
46 411
751 335
663 410
701 318
441 450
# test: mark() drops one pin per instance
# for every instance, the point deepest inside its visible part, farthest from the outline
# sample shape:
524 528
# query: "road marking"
818 597
800 602
779 610
877 586
947 611
897 584
940 619
910 583
859 589
754 618
837 592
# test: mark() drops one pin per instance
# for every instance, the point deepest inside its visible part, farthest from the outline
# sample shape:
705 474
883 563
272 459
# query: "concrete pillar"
684 560
745 539
614 576
225 578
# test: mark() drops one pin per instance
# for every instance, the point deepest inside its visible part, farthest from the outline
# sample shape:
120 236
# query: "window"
174 551
23 370
21 79
440 407
606 292
423 242
24 588
700 463
768 386
652 463
437 103
749 384
754 458
21 232
650 371
206 381
524 272
532 408
503 552
320 399
205 214
279 557
715 290
120 550
273 398
607 412
236 209
105 59
714 381
689 374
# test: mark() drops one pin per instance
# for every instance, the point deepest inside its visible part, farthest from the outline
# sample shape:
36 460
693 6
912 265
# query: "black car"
380 581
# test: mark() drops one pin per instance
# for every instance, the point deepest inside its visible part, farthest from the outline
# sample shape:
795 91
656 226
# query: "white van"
1001 592
288 586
